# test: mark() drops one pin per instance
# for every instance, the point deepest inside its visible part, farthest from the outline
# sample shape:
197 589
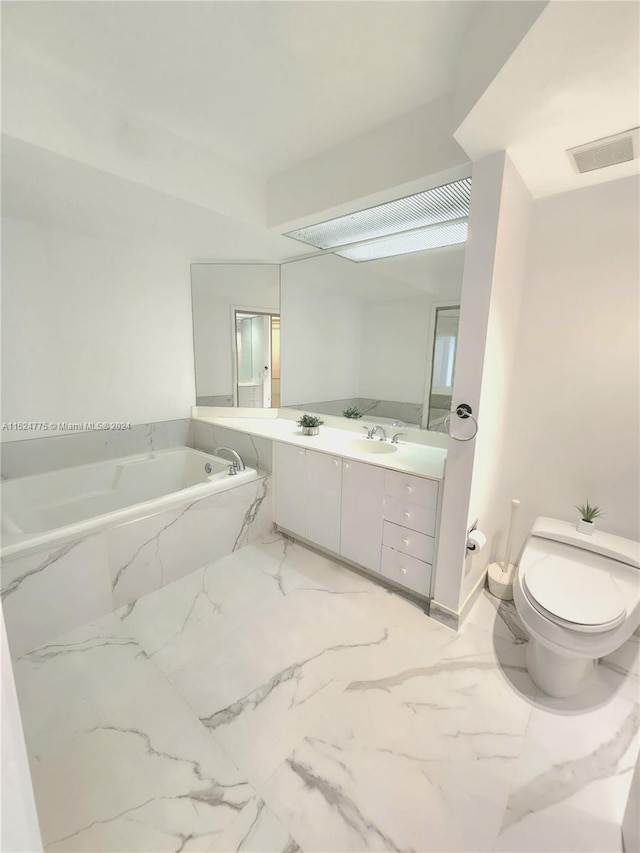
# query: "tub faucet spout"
237 463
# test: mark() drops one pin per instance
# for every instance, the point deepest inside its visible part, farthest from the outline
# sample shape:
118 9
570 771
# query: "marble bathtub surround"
82 580
276 701
50 452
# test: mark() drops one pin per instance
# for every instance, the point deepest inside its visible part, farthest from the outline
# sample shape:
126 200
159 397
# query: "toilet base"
558 675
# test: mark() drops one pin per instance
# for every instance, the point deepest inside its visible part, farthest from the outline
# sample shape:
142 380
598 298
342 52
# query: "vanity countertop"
419 459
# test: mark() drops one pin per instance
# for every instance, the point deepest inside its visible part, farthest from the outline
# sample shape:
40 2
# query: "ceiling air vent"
609 151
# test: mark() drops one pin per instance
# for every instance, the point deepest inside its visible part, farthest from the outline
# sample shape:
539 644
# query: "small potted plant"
310 424
588 514
353 412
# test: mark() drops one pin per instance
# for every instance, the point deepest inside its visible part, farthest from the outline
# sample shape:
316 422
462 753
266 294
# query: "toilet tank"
618 548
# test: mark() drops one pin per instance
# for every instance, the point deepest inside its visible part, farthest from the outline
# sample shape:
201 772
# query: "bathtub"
82 541
47 508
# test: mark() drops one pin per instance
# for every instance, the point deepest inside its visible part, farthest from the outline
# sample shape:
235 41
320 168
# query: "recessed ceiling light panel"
440 204
414 241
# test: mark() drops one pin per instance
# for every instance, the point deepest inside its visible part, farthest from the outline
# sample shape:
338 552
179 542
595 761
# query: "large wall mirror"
368 337
327 335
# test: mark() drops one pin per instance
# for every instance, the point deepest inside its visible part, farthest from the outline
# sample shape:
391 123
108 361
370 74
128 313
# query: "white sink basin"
364 445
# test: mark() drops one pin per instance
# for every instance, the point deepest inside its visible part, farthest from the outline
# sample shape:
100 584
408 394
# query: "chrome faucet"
395 438
378 428
237 463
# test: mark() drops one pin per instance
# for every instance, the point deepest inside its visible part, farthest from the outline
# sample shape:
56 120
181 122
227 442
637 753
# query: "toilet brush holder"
501 581
501 575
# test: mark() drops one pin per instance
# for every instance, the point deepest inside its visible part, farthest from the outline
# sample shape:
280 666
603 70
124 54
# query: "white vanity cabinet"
362 499
382 520
409 509
289 499
323 482
308 494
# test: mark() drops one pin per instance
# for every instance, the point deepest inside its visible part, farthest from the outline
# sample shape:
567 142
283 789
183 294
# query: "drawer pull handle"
346 465
407 515
409 490
336 461
403 571
405 542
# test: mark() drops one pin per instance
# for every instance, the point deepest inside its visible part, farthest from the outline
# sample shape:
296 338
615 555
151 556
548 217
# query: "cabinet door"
361 528
323 487
289 479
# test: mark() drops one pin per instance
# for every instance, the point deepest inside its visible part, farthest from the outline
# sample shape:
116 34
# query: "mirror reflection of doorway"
445 341
257 359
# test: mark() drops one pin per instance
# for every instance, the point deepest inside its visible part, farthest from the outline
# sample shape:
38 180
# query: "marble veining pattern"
275 701
72 584
44 563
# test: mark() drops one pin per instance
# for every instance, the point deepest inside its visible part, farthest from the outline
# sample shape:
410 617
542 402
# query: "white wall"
573 428
501 382
320 344
216 288
493 274
394 349
92 330
19 826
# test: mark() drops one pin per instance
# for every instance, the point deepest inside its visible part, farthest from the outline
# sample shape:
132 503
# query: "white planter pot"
586 527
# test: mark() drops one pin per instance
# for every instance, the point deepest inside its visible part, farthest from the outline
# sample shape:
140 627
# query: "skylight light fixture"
449 234
439 204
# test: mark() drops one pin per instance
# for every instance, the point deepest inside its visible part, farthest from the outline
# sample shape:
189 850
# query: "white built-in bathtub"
44 509
82 541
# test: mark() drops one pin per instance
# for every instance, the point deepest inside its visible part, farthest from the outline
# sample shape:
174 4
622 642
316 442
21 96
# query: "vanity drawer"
408 541
414 489
406 514
406 570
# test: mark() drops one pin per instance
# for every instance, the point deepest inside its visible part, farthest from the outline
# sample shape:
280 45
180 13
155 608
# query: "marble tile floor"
276 701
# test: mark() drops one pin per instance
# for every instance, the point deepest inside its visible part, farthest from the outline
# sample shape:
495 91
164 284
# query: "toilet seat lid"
584 596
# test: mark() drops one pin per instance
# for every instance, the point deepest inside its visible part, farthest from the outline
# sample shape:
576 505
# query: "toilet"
579 599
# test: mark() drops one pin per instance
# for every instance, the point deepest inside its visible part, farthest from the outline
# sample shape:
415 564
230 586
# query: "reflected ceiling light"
440 204
414 241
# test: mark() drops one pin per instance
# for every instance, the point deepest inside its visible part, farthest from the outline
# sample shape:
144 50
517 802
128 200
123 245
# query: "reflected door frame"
433 319
264 312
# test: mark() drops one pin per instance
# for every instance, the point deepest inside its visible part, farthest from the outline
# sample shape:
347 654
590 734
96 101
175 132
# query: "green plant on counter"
309 421
353 412
588 511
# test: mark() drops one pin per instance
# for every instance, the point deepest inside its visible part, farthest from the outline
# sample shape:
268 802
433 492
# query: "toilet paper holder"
477 542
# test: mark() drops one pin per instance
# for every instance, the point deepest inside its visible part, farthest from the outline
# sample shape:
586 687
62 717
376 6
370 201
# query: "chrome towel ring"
463 411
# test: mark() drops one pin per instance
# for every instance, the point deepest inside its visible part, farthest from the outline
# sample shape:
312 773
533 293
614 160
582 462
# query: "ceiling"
574 79
171 122
263 85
